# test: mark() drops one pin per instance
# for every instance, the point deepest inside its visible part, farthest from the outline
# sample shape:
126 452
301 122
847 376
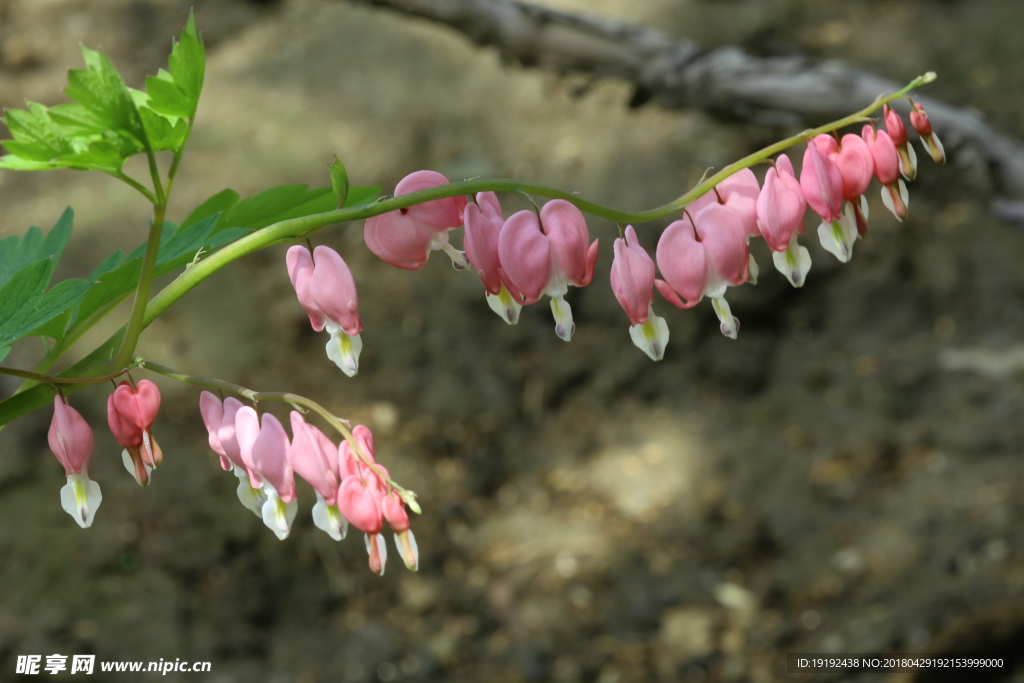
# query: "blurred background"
841 478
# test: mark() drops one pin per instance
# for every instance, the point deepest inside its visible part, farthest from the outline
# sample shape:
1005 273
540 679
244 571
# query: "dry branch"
677 72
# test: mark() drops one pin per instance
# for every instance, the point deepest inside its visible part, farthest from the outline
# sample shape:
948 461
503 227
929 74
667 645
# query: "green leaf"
339 181
36 136
164 133
18 252
13 162
175 92
101 90
221 203
76 120
362 194
109 263
113 286
54 329
62 297
26 306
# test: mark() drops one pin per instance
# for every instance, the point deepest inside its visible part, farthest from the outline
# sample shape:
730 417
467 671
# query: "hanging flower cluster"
351 488
541 253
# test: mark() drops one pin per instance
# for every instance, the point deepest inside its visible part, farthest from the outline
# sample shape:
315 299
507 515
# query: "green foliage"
175 92
274 205
107 122
339 180
26 267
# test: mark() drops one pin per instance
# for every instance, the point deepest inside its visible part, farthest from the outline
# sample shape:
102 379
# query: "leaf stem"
132 182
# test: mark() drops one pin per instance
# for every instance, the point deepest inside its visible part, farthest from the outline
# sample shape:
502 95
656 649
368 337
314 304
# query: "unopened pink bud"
632 277
919 120
781 205
70 438
894 126
822 184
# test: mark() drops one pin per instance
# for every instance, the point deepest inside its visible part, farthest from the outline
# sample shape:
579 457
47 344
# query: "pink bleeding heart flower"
360 497
702 256
780 218
394 512
919 120
852 158
544 255
898 132
405 237
315 458
219 418
483 225
71 440
139 405
361 494
738 192
268 450
326 289
886 166
129 436
632 278
822 184
212 410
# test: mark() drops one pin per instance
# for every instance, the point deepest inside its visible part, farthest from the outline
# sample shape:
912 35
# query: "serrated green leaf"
114 285
19 297
18 252
163 133
227 236
221 203
108 264
60 298
185 243
362 194
101 90
54 328
76 120
175 92
339 180
36 136
13 162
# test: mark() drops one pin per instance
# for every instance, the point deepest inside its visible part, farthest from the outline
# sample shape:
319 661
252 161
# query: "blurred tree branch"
785 91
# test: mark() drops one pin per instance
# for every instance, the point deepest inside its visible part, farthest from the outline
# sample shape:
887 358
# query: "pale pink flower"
701 256
71 440
632 279
405 237
898 132
887 165
483 225
544 255
315 458
325 288
780 217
